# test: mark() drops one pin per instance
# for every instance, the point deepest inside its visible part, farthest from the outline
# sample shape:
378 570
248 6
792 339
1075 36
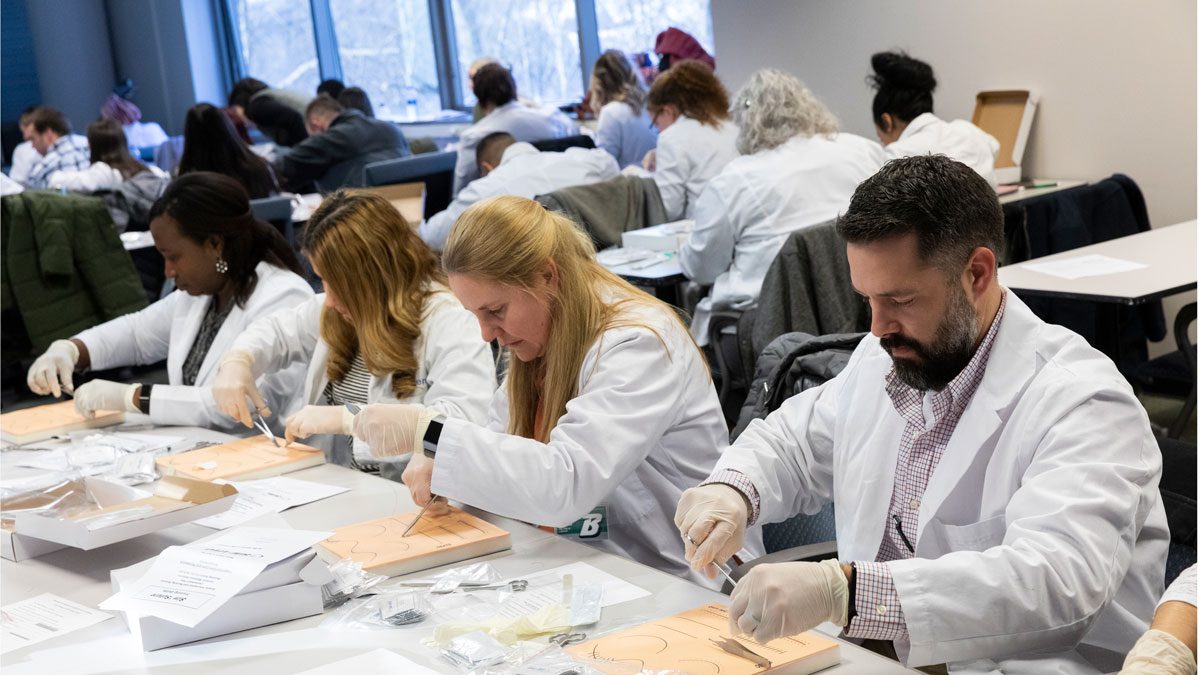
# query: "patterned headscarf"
120 110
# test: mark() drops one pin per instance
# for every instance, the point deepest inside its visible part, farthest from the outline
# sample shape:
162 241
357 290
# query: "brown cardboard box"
408 198
1008 116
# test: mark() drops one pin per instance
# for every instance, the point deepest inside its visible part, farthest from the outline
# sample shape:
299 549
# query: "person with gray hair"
795 170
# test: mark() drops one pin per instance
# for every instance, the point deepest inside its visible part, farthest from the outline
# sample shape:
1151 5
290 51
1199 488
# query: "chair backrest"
435 169
561 144
278 212
1178 490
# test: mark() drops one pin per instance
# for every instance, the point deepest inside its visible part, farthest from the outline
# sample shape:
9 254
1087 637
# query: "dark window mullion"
445 53
329 62
589 38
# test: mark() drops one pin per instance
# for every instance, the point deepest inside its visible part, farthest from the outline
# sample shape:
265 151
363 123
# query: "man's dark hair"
48 118
356 97
243 89
949 206
322 104
494 85
330 87
491 148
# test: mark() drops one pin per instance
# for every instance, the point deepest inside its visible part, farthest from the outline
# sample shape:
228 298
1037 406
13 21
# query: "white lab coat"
748 210
523 122
523 172
1041 527
688 155
927 134
98 176
645 426
455 371
167 329
624 135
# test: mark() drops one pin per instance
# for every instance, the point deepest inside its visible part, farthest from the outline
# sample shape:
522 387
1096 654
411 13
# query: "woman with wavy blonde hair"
386 329
608 412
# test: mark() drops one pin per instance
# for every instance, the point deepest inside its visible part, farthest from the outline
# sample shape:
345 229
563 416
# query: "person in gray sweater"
341 142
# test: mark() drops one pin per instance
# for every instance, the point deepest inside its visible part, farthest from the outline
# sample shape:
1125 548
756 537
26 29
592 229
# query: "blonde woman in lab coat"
386 329
608 412
796 170
229 269
906 125
696 139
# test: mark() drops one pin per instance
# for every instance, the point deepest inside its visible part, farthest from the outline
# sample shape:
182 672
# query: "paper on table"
376 662
188 583
616 590
269 495
40 618
1093 265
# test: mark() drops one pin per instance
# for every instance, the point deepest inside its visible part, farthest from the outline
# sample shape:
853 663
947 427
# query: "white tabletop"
1167 253
82 576
652 268
1026 193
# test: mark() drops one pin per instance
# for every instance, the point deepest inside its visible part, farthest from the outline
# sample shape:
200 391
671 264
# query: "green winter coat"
64 267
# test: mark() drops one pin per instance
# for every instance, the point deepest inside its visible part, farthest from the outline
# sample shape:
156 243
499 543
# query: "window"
632 25
386 47
271 29
537 39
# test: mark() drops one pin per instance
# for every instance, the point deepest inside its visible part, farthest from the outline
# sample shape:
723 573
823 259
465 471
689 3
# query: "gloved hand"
418 476
105 395
392 429
772 601
714 516
235 382
318 419
649 161
1158 652
53 367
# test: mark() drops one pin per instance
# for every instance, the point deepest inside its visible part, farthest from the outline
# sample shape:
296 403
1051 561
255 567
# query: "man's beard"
951 350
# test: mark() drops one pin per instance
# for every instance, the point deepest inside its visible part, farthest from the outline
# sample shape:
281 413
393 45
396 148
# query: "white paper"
376 662
616 590
188 583
40 618
269 495
1093 265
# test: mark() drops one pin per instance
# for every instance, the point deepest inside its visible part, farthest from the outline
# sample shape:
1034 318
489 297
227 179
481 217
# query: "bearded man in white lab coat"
994 477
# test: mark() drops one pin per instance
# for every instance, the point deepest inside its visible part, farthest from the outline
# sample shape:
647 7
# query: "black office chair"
1178 490
561 144
1174 374
278 212
435 169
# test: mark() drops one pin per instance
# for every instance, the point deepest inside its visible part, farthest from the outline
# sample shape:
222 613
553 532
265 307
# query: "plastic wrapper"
349 581
383 611
473 651
59 495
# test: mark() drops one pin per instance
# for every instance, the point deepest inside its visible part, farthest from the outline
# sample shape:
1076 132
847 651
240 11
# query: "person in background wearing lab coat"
229 268
623 125
696 139
519 169
995 477
608 410
796 170
906 125
497 94
111 166
386 329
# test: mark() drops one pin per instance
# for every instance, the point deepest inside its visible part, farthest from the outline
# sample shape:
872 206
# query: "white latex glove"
1159 653
788 598
418 476
54 367
649 161
318 419
105 395
392 429
234 383
714 516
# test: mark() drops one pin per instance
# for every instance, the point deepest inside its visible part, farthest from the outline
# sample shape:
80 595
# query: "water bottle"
410 103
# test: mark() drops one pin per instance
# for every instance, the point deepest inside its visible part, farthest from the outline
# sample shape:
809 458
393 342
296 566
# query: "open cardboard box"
1008 116
176 500
286 590
408 198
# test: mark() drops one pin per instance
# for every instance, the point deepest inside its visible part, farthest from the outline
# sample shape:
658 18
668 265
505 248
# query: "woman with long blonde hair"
623 126
385 329
608 412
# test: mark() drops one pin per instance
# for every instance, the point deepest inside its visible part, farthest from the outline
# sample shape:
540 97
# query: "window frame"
445 48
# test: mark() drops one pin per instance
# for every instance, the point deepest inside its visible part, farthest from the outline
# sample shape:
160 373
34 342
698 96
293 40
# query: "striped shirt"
67 154
354 387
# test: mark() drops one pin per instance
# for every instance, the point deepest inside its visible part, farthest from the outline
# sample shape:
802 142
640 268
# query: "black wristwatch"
433 433
144 398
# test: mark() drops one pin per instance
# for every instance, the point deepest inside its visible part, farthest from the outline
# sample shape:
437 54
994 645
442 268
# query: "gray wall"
1117 79
73 55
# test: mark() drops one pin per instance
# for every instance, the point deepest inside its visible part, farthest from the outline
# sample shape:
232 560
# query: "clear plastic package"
349 581
383 611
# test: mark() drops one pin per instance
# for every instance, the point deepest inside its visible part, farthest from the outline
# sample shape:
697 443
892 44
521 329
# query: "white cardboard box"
1008 116
16 547
289 589
209 499
664 237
